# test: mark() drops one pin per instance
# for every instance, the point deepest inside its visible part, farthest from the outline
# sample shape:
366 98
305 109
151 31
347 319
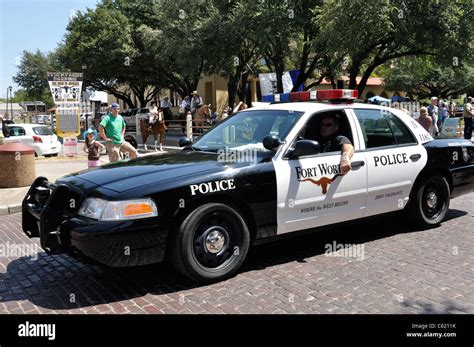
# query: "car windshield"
42 131
246 130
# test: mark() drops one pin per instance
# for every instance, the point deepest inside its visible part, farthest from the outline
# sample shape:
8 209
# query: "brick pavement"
402 271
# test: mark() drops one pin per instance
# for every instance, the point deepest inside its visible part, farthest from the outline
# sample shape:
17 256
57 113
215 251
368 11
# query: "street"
400 270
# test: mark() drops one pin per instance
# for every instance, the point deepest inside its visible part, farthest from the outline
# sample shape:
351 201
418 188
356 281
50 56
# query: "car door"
394 159
310 192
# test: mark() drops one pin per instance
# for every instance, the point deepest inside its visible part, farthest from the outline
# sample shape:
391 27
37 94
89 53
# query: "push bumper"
117 244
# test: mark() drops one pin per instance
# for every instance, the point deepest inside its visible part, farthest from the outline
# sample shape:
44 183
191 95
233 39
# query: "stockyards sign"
66 91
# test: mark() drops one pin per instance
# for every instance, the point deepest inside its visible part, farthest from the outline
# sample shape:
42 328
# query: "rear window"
17 131
382 129
42 131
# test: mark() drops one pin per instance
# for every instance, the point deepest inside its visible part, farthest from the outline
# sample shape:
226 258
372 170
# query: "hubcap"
432 199
215 240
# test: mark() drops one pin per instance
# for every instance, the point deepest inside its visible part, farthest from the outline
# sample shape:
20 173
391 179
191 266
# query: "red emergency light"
338 94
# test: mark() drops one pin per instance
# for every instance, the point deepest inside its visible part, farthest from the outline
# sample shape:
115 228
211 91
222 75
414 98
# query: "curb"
9 209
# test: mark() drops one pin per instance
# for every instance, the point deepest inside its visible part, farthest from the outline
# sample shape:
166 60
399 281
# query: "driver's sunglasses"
327 125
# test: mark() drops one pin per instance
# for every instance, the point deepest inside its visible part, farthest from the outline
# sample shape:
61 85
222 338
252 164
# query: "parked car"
458 112
129 117
40 137
43 119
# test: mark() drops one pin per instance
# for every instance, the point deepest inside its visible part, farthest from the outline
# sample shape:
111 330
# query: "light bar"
327 95
338 94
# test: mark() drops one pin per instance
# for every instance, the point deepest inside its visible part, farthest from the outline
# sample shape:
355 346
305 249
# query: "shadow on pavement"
62 282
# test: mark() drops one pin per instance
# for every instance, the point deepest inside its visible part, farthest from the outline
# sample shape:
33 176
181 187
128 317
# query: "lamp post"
6 105
85 100
11 102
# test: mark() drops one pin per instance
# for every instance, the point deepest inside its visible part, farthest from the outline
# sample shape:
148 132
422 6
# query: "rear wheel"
431 201
211 243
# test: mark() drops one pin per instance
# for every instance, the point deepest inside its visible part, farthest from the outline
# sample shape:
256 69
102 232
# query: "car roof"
27 125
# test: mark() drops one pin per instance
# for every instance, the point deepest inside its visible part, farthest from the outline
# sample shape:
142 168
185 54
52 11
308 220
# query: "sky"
30 25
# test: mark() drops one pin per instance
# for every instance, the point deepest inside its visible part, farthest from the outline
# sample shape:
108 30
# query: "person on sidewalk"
467 113
425 120
92 148
112 130
433 112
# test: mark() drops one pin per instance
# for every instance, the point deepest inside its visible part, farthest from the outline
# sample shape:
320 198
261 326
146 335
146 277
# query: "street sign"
450 128
66 91
70 146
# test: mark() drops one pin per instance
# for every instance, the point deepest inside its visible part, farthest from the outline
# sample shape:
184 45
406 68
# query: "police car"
252 178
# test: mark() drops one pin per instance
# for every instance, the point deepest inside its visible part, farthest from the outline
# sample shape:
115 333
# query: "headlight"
92 208
118 210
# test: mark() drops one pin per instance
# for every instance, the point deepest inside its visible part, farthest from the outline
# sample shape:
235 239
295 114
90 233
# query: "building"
213 90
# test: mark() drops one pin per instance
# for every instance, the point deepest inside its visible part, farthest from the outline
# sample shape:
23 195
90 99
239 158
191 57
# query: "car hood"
123 176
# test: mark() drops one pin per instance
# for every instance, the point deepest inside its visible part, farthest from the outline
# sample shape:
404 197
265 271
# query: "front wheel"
431 201
211 243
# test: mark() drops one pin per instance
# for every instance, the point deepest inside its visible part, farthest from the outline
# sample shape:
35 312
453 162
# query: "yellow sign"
68 122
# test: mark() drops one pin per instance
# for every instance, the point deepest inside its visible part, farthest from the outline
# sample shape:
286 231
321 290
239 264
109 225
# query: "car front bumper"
116 244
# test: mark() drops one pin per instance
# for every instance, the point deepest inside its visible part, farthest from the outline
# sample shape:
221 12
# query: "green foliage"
125 46
426 76
32 73
371 33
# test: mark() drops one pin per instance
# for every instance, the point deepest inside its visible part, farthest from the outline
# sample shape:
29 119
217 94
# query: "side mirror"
185 142
304 148
272 142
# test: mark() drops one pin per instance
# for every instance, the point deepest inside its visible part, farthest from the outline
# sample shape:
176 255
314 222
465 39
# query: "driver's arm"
347 153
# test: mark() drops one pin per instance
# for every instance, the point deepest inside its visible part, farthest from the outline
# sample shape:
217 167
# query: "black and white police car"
258 175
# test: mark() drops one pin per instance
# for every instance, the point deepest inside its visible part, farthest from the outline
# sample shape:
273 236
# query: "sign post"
66 91
450 128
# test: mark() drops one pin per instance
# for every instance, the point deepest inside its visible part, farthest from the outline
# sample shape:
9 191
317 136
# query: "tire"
54 155
211 243
431 202
131 140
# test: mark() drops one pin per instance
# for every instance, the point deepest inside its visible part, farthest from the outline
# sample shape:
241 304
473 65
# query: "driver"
331 141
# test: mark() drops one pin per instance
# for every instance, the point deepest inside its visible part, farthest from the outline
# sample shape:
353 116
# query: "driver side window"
312 130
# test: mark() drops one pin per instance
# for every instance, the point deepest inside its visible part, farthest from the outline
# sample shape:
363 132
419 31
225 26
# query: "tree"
32 74
372 33
106 46
425 77
183 35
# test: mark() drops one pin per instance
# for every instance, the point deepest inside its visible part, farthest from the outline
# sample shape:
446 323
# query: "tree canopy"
138 48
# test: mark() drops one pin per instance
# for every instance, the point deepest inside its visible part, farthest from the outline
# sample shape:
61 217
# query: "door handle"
358 164
414 157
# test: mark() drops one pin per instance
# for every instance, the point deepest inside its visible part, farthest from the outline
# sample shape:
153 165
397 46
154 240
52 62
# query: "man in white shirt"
433 112
166 107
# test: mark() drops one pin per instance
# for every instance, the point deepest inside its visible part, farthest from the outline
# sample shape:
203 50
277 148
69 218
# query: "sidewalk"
52 169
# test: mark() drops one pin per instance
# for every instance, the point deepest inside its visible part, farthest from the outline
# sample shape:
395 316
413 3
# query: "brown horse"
202 117
154 125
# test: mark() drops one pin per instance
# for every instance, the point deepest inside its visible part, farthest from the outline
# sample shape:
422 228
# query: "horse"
153 125
202 117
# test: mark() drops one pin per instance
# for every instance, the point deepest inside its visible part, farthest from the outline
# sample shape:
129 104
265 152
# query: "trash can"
17 163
